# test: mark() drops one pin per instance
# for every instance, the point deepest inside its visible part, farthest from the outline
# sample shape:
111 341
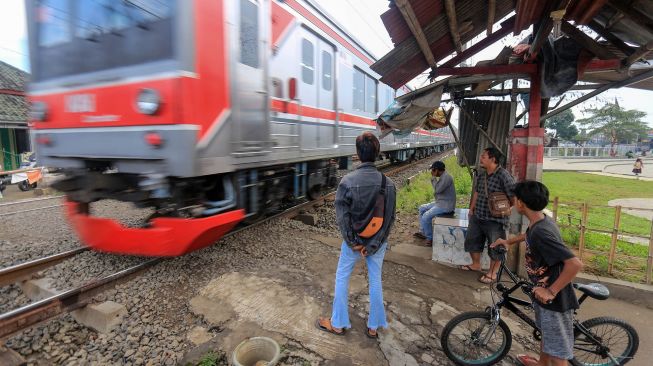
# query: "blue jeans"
340 313
426 214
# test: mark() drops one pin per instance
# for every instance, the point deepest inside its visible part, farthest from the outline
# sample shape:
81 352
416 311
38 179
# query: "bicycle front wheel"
472 339
618 342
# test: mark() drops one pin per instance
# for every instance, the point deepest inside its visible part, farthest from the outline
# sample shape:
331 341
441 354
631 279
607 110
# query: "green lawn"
597 190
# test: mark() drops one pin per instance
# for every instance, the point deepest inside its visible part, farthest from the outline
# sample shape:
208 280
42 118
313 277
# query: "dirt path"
421 296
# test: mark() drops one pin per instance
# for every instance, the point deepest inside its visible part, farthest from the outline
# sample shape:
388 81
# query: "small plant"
213 359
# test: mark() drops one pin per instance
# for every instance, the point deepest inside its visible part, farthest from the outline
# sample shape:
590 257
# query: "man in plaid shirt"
483 227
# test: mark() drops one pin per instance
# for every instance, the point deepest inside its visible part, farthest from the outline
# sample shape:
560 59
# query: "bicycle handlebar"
526 286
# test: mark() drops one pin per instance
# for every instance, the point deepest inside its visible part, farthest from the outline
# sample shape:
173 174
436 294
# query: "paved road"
615 167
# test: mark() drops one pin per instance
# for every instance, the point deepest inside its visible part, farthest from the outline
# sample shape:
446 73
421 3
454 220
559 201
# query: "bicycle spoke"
469 336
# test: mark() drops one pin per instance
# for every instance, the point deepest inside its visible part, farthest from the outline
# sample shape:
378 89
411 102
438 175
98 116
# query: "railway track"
10 205
35 313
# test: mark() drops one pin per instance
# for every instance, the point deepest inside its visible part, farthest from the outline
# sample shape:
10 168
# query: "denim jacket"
355 194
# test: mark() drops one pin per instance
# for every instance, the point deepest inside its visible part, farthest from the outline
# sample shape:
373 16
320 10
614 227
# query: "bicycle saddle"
593 290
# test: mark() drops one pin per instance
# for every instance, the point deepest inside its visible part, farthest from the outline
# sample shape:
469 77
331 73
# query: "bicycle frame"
509 302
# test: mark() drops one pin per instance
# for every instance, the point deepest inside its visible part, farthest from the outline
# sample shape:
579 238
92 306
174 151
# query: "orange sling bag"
374 220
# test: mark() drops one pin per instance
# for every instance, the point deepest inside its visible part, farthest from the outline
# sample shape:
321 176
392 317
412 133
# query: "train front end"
122 93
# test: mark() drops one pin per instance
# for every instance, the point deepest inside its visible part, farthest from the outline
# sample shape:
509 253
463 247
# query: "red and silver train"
210 112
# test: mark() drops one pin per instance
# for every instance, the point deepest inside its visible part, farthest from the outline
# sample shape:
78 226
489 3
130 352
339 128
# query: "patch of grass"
598 190
213 359
601 243
420 190
630 260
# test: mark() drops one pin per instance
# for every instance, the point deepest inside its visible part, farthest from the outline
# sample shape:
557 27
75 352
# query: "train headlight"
38 111
148 101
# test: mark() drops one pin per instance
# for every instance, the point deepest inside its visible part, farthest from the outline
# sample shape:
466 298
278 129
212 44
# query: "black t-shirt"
545 256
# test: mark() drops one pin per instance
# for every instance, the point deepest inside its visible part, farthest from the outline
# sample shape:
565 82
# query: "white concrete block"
39 289
102 317
449 241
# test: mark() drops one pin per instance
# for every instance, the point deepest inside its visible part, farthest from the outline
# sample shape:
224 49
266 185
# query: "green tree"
616 123
562 123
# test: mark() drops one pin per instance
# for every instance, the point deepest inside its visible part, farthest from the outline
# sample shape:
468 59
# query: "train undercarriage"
191 213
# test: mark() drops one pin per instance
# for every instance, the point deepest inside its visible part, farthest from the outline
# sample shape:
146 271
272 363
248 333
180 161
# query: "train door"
316 90
307 90
326 92
251 131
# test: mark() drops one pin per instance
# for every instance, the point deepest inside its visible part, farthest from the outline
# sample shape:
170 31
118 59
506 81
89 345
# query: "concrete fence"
586 151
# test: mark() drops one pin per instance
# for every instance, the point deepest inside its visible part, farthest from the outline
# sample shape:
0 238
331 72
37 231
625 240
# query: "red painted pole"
535 149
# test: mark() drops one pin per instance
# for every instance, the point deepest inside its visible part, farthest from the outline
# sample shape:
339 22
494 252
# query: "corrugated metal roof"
629 20
13 108
608 76
12 78
494 117
406 61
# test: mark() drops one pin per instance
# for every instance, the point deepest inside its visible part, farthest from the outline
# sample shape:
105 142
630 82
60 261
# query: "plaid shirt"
499 181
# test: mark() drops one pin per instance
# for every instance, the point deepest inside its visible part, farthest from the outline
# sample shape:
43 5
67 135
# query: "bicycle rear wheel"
619 340
463 339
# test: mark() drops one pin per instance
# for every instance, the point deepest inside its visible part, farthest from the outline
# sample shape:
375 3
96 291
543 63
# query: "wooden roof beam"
612 38
641 52
542 35
411 19
587 42
632 13
491 14
450 8
506 28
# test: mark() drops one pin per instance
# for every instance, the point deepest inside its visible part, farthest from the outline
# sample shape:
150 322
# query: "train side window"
327 70
370 94
308 62
249 33
359 90
54 22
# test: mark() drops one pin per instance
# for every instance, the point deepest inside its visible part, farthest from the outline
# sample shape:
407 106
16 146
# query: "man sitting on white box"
444 204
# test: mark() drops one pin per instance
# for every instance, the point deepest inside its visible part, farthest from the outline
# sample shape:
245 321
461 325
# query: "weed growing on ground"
213 359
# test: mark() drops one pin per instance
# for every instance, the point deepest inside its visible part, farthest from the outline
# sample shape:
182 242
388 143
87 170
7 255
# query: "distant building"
14 135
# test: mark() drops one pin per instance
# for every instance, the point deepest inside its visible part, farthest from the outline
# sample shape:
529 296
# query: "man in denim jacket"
356 193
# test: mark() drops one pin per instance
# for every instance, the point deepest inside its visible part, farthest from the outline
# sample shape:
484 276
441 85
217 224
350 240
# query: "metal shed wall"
496 118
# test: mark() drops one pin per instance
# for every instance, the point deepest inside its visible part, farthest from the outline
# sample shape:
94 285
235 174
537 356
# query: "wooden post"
649 262
583 228
555 209
615 234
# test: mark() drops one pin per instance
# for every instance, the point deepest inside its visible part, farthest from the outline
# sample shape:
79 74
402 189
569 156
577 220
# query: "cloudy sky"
360 17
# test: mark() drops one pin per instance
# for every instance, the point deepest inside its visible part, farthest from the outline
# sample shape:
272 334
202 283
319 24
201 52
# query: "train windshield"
81 36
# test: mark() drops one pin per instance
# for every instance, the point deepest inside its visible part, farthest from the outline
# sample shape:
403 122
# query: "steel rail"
28 210
25 270
67 301
30 200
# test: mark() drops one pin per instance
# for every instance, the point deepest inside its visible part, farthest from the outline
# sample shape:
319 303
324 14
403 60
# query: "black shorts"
480 232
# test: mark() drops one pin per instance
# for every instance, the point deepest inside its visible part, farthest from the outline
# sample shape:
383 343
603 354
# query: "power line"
374 31
14 51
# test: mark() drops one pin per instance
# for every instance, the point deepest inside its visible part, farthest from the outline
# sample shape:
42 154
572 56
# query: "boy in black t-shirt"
551 266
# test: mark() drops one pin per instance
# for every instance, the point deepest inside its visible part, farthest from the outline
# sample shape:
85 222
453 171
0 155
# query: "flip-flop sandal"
419 235
467 268
328 329
485 279
370 335
525 360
